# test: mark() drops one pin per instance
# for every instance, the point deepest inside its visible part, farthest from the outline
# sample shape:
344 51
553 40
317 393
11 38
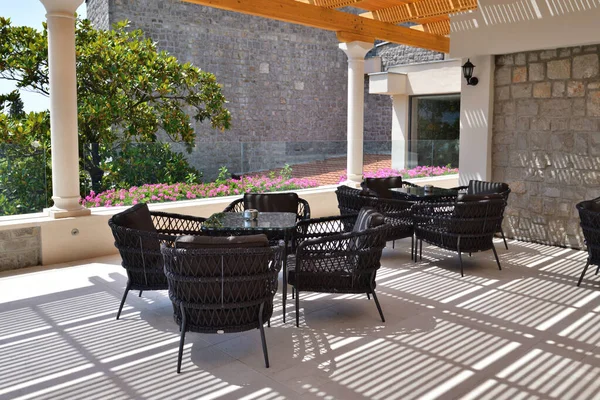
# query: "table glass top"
265 221
419 191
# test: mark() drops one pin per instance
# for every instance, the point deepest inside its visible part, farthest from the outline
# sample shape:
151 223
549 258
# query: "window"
434 130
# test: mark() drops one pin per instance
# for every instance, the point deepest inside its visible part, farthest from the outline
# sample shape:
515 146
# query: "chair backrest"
138 242
381 186
222 282
477 214
589 214
274 202
483 187
351 200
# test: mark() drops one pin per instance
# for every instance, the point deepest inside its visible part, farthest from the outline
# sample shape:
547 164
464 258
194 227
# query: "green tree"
24 163
128 91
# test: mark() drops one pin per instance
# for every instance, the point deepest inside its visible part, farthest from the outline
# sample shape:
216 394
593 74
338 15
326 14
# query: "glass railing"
207 169
24 179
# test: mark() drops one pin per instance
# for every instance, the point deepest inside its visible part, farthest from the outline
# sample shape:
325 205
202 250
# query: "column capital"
66 8
356 50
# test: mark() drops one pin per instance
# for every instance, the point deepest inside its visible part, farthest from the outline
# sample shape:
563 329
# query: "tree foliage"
128 91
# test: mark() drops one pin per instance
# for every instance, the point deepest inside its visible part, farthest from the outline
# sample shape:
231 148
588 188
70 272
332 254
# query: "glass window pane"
434 130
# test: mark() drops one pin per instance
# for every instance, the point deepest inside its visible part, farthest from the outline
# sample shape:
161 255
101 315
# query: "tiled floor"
526 332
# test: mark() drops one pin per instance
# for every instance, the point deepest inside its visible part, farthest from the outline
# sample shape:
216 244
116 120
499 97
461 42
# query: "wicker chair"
222 284
138 234
380 186
396 212
272 202
589 214
338 255
484 187
465 226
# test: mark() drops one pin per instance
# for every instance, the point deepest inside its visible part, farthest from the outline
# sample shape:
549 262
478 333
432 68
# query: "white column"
356 52
400 131
63 108
476 115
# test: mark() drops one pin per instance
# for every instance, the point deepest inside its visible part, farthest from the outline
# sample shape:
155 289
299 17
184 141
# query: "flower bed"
160 193
417 172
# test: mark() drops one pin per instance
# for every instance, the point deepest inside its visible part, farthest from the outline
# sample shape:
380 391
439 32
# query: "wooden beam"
333 20
346 37
330 3
437 28
420 9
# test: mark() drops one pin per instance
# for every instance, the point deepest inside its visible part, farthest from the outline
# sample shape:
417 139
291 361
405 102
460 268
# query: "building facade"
286 84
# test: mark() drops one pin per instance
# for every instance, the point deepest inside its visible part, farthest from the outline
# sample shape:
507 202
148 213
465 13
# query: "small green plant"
223 175
286 172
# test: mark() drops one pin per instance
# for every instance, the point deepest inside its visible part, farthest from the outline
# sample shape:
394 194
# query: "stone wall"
98 11
284 82
546 140
397 54
20 248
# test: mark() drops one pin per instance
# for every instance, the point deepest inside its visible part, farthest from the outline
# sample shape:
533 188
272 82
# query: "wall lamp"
468 73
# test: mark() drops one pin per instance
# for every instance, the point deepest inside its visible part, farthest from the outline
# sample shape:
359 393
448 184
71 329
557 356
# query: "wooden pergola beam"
330 3
420 9
296 12
437 28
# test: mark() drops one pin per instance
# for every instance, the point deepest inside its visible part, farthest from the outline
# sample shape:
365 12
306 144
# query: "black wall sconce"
468 73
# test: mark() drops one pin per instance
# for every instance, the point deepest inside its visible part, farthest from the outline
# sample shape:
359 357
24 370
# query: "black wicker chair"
465 226
484 187
272 202
338 255
396 212
589 214
138 234
380 187
222 284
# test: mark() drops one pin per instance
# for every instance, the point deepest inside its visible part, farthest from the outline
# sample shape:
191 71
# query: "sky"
29 13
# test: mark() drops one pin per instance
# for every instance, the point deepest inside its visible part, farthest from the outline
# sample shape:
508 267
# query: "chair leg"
368 296
377 304
587 264
140 295
182 337
293 292
597 269
461 264
393 244
421 251
497 260
127 288
412 245
297 308
262 335
503 238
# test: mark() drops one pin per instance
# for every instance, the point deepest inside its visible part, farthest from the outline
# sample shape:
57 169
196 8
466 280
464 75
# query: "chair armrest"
176 224
306 209
322 227
235 206
460 188
408 184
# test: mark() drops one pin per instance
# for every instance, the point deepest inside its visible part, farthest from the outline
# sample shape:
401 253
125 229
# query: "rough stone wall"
20 248
285 83
98 11
546 140
396 54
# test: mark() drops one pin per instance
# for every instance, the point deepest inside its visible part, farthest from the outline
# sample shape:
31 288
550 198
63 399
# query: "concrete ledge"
72 239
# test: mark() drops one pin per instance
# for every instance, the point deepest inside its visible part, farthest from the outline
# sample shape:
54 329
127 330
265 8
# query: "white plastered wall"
509 26
401 82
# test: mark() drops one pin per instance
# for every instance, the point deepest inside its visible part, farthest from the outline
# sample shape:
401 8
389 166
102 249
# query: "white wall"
400 82
476 115
508 26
